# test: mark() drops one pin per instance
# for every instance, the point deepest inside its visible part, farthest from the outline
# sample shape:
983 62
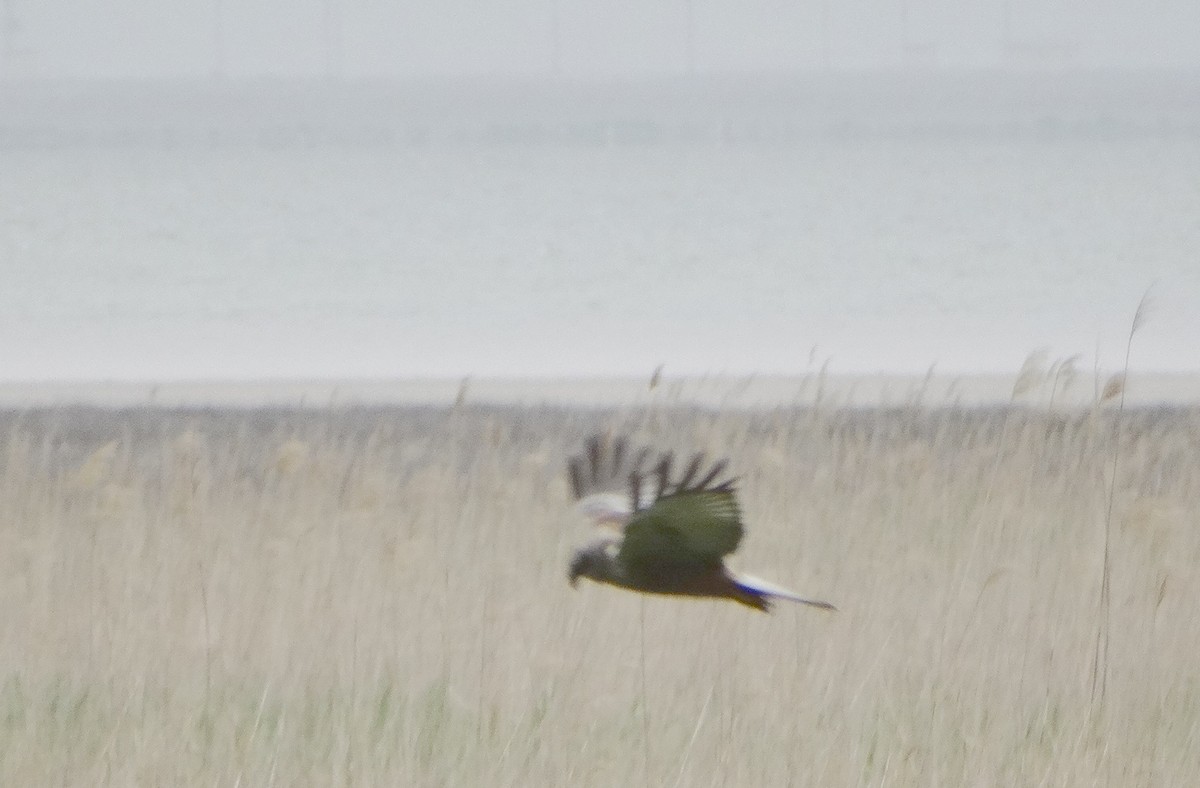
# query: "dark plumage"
673 533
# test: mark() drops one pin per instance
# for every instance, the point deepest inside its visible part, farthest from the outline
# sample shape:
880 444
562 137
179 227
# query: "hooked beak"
577 565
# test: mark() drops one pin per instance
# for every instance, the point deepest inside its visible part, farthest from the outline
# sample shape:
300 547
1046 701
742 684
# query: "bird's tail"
759 593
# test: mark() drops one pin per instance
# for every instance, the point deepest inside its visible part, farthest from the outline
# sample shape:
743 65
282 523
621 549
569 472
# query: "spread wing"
693 522
606 480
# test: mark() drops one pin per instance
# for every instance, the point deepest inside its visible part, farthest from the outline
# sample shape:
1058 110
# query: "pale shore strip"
1042 390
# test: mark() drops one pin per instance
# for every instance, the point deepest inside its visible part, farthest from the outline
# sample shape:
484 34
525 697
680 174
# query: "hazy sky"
172 38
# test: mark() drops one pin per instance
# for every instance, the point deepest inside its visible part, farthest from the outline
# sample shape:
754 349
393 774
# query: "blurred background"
338 188
619 38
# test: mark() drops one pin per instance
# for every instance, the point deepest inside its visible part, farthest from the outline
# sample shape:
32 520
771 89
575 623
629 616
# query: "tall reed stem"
1100 654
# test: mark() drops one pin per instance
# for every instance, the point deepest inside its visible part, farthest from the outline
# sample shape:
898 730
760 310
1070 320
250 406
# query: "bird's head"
596 561
579 566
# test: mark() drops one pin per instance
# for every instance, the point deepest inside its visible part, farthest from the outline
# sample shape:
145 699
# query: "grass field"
378 597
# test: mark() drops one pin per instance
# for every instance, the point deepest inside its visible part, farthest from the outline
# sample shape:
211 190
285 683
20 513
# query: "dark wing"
694 521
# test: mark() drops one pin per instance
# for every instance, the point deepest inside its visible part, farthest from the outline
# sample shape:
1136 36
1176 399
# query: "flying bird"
663 534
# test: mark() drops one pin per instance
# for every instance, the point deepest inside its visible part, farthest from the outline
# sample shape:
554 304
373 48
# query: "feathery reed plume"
1117 386
1032 373
1114 387
1064 372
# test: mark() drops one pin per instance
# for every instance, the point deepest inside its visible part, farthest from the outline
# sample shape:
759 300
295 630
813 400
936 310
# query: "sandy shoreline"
712 391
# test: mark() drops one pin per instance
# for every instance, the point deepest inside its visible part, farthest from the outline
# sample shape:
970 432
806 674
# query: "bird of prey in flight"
663 534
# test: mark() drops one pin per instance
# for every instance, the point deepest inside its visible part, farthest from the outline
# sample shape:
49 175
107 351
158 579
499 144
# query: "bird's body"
673 533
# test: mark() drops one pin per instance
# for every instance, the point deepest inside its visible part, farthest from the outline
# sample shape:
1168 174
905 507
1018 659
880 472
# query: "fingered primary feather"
601 477
618 454
691 471
608 465
593 449
604 466
716 471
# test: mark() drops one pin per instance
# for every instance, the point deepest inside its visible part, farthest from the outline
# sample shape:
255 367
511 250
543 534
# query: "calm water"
382 261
